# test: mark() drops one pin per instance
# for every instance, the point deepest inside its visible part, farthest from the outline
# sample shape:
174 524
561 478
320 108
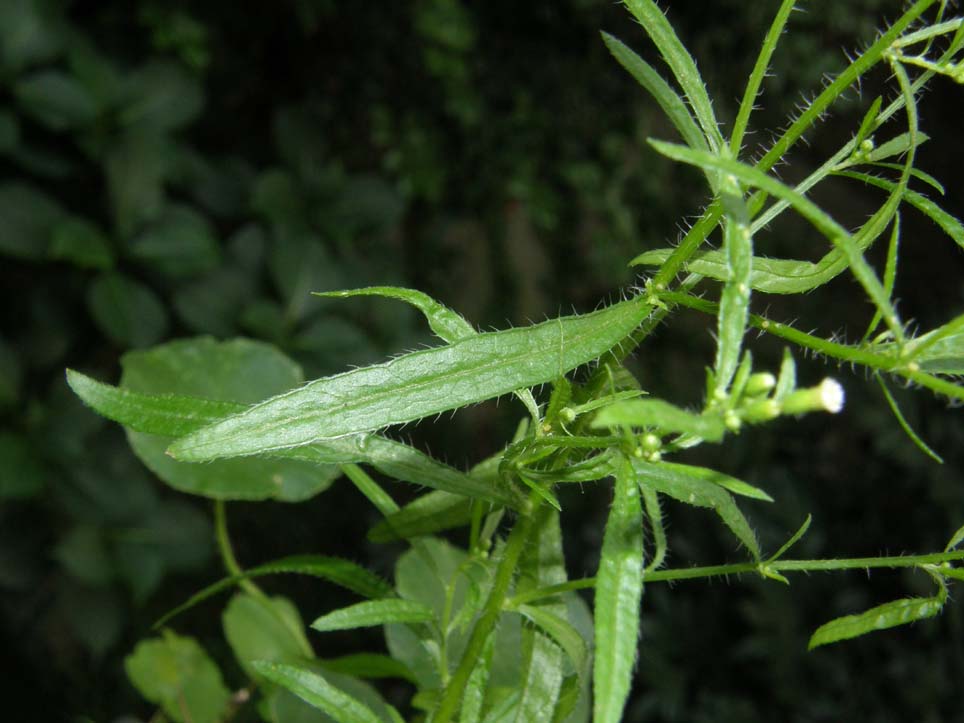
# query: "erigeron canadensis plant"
496 631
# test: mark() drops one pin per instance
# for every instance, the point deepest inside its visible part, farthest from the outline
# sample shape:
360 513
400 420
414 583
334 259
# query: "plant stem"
691 573
489 618
246 584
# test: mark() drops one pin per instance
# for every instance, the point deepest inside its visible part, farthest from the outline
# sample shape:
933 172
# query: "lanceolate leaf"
681 484
734 485
429 513
679 60
565 635
374 612
888 615
669 100
336 570
660 415
318 692
951 226
416 385
171 415
619 588
447 324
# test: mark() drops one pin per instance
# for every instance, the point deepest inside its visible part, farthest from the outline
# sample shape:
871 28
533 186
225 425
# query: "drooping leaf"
416 385
950 225
677 482
888 615
374 612
734 485
446 323
619 588
175 673
341 572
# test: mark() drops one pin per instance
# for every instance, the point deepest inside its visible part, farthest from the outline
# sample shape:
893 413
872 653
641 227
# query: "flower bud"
759 383
828 396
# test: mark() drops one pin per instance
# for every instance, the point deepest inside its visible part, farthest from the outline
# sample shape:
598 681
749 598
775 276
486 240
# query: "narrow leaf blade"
619 588
416 385
317 692
374 612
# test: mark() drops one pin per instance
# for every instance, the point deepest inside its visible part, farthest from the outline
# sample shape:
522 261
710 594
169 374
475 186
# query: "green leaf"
669 100
55 99
759 71
679 60
161 96
734 485
888 615
315 690
259 628
27 219
680 484
129 313
374 612
416 385
869 121
136 167
239 371
897 145
661 416
430 513
619 588
542 564
735 299
175 673
369 665
956 539
835 233
950 225
173 415
81 243
341 572
447 324
560 630
908 430
179 243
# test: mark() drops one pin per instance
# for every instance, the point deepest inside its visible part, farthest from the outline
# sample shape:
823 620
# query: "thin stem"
485 626
227 552
842 352
246 584
693 573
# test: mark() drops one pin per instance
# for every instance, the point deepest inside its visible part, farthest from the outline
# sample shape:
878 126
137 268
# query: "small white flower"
831 395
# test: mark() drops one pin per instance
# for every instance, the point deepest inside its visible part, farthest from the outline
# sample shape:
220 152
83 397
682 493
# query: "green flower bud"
758 384
828 396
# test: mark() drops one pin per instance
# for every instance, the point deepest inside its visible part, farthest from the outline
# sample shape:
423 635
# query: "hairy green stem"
692 573
485 626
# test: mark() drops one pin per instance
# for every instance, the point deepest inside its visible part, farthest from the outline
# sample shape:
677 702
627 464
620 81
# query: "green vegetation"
469 606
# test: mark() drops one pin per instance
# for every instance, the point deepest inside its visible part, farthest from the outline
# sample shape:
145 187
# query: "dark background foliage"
171 168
